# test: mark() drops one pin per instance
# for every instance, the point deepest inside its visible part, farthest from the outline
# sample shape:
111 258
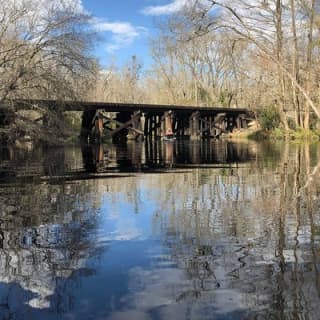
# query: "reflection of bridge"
138 120
93 161
158 155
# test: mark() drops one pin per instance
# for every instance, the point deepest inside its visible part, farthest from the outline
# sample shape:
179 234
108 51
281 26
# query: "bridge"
133 121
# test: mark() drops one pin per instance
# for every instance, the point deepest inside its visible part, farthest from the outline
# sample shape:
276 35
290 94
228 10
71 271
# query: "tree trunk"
295 65
279 55
306 123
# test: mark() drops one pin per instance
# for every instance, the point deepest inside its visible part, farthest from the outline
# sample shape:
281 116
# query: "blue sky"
124 26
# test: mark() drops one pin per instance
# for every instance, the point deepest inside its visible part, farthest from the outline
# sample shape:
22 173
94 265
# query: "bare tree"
44 49
295 64
310 8
265 31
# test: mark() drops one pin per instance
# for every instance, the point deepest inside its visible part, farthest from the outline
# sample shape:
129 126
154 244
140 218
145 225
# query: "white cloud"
170 8
117 28
123 33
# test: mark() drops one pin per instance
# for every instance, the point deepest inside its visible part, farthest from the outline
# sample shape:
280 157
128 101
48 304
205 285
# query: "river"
166 230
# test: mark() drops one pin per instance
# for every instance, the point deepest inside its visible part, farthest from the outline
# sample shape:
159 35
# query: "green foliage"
73 120
279 133
292 124
258 135
314 122
303 134
204 96
222 98
269 118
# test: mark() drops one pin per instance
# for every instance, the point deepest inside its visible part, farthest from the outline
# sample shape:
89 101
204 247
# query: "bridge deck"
127 107
133 120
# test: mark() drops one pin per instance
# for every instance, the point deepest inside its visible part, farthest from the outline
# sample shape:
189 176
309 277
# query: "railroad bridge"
131 120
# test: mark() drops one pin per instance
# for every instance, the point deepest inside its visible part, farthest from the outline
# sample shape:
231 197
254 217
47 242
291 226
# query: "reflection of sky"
141 257
121 221
136 277
104 291
121 240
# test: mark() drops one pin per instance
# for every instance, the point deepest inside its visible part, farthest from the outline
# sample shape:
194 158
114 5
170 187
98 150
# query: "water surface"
183 230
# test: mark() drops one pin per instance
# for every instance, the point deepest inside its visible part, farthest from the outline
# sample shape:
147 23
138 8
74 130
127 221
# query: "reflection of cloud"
122 228
43 254
130 314
39 303
160 289
121 224
123 33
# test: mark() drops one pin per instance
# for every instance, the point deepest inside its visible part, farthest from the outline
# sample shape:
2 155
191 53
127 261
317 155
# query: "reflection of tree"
243 238
253 232
46 239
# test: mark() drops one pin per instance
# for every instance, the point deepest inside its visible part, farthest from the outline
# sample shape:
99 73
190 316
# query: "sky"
125 27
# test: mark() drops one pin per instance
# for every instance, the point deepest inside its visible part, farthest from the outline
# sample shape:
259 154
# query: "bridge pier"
168 124
136 131
98 127
182 125
194 126
219 125
136 124
86 124
158 124
154 125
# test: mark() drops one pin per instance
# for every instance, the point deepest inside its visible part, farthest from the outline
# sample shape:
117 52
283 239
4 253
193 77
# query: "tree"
310 43
295 64
261 47
44 49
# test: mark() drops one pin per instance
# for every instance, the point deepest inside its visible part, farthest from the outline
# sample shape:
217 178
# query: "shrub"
269 118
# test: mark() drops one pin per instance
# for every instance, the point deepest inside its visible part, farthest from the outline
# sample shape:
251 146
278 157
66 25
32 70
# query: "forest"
262 55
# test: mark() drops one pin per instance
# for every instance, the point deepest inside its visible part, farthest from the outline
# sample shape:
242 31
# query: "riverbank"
276 134
27 128
297 135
